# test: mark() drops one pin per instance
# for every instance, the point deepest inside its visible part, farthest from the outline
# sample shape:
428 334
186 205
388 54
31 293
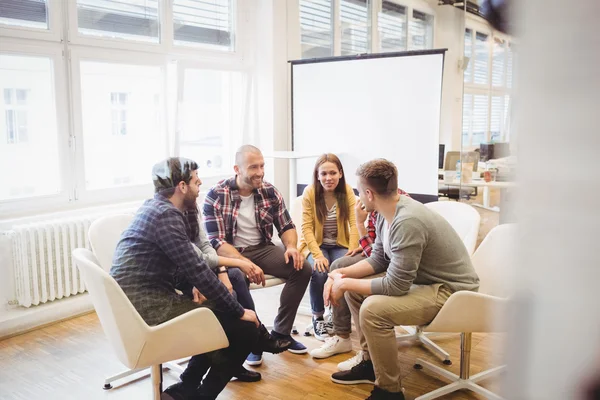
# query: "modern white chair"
465 220
485 311
137 345
104 234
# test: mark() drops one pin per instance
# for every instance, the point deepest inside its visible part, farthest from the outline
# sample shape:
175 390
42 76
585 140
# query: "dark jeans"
223 363
241 284
318 279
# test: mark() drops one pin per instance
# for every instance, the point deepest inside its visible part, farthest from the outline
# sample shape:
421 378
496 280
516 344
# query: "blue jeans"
240 285
318 279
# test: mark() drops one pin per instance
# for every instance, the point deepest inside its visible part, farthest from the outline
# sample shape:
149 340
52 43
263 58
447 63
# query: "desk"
486 190
292 157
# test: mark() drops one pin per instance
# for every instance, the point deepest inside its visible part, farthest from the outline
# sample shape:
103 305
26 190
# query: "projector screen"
366 107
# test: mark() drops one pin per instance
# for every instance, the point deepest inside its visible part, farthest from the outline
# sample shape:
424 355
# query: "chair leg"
434 348
464 381
453 387
156 373
110 379
434 368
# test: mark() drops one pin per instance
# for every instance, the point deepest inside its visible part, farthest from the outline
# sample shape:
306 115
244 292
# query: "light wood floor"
69 360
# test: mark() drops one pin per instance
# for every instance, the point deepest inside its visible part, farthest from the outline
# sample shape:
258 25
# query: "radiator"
43 267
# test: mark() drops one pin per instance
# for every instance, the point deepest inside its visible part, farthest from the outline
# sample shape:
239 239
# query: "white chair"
465 220
104 234
137 345
468 312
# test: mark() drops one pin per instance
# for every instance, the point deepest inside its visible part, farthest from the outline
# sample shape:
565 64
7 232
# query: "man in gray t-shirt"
416 263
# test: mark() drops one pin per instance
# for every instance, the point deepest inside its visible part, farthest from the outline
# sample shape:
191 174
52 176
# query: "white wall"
449 33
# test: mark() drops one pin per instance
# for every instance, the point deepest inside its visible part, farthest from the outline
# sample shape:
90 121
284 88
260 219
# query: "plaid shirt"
366 242
153 252
222 207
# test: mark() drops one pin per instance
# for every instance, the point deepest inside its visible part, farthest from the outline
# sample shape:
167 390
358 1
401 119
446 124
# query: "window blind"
316 28
392 27
204 22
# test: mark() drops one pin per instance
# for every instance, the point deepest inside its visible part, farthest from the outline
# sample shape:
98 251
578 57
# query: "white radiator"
43 267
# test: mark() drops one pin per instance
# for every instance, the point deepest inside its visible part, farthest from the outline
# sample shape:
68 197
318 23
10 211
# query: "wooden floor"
70 360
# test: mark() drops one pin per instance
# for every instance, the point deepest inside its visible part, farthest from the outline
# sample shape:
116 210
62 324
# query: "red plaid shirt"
367 241
222 207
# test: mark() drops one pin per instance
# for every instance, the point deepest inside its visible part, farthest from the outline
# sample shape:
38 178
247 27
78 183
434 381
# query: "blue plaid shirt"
153 253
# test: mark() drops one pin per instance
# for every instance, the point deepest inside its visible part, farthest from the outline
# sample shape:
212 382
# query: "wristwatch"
222 270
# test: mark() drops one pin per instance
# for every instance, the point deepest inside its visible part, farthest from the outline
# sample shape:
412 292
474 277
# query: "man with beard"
155 254
239 214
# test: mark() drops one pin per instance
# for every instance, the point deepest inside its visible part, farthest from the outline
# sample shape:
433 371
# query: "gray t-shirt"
419 247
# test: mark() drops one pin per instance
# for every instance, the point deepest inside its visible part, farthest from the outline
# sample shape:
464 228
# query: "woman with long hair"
328 229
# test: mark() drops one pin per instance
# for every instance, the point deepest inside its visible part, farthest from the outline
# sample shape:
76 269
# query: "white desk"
477 183
292 157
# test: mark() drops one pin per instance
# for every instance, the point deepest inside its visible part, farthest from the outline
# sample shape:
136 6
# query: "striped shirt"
330 230
153 254
222 206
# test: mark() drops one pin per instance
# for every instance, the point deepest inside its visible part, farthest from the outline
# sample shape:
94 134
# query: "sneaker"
254 359
351 362
296 347
319 328
332 346
361 373
379 394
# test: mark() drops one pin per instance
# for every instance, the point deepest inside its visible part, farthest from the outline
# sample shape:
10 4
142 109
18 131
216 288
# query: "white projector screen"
366 107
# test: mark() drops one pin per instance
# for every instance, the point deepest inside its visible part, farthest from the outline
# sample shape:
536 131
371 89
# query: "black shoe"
362 372
379 394
270 344
245 375
179 391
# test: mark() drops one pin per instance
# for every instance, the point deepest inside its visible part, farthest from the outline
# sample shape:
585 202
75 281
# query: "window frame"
122 193
10 207
477 25
54 33
375 7
208 181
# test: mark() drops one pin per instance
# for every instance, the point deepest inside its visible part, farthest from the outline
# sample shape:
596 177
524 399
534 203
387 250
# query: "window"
421 31
123 19
488 79
355 17
15 103
204 22
24 13
91 100
392 27
316 28
28 127
398 27
116 99
210 117
118 103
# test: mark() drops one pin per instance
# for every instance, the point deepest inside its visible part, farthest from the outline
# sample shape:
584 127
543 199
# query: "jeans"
223 363
318 279
240 284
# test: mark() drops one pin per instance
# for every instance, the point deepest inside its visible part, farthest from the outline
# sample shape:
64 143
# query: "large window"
116 102
28 144
211 110
346 27
487 84
99 93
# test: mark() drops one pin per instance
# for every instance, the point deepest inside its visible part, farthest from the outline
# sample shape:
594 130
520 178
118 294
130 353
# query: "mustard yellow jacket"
312 229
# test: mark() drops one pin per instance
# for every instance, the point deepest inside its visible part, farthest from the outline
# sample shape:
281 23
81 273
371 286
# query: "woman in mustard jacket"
328 228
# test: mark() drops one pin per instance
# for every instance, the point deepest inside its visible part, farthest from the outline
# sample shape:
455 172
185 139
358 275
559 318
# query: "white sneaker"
351 362
332 346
